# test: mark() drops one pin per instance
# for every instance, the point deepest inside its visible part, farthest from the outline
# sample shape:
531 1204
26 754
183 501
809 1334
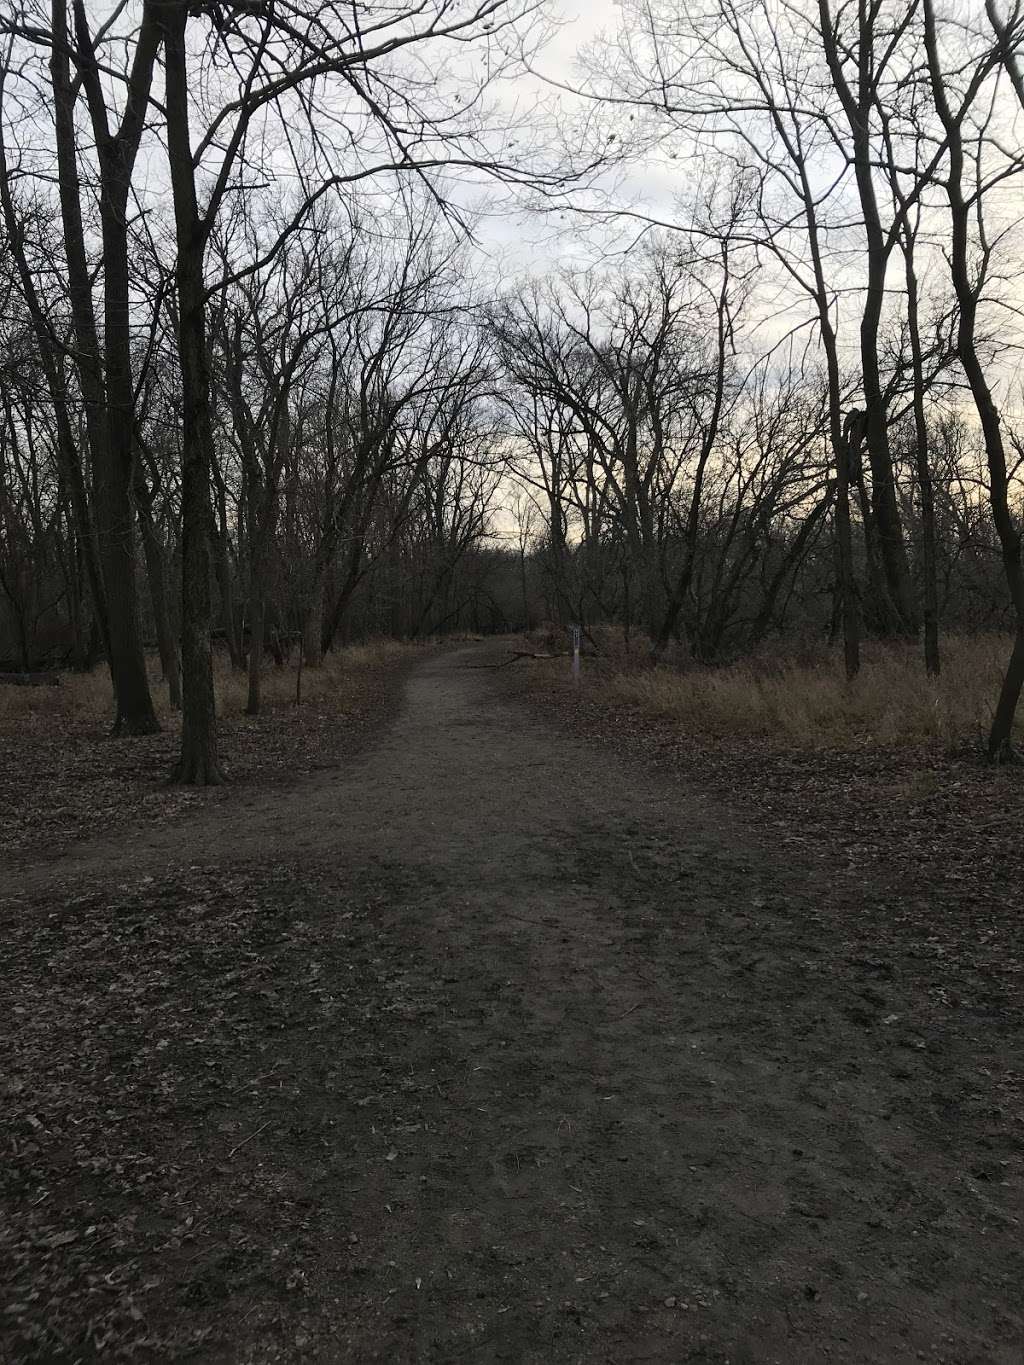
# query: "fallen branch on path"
518 654
238 1146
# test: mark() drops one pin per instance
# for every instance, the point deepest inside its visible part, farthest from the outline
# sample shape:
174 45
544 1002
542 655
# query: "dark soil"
494 1044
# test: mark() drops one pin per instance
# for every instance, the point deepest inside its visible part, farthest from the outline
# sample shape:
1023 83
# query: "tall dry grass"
84 701
325 685
806 701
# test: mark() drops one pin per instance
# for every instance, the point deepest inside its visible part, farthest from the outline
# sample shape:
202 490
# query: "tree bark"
857 106
1000 747
106 375
849 605
199 762
929 571
257 629
156 573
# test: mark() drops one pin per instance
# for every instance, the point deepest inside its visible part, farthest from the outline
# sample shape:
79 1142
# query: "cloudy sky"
523 241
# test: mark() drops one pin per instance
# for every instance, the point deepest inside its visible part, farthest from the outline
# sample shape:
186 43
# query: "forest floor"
501 1038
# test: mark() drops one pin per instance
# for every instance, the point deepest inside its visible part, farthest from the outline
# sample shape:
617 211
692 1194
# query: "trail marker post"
574 632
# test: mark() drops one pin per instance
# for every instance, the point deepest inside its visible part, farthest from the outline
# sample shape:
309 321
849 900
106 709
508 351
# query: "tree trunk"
929 571
115 513
1000 746
155 571
527 625
199 763
899 604
882 614
857 105
257 628
226 586
353 577
848 604
106 382
312 627
662 633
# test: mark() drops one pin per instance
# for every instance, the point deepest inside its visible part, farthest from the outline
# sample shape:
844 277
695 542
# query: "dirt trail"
654 1113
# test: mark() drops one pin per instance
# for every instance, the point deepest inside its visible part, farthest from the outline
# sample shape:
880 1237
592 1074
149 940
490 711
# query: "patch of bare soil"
494 1044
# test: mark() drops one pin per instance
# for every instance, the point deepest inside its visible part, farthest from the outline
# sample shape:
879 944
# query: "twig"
240 1145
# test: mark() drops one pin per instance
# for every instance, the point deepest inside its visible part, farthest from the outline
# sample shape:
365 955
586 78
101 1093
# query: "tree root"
1004 756
197 771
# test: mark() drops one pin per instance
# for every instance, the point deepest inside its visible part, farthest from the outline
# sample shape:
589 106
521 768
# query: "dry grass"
320 686
64 777
81 699
806 701
84 701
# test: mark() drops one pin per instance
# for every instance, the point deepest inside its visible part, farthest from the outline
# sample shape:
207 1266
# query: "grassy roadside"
63 777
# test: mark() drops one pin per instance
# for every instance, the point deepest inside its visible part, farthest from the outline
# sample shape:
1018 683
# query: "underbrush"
801 697
85 700
63 777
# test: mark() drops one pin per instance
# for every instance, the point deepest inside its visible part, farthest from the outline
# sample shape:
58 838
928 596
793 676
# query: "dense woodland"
262 391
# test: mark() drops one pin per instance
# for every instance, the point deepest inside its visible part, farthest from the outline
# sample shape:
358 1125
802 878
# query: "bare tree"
79 70
965 198
291 67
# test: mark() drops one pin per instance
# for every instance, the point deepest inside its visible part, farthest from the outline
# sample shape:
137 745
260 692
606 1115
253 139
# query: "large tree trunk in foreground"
199 763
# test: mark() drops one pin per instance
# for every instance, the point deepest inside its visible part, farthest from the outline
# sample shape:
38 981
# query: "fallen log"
48 679
518 654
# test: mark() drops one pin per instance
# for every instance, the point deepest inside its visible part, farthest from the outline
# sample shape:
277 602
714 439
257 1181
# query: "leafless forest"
262 385
350 352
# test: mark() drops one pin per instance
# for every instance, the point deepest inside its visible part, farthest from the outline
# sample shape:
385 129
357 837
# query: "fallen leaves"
63 778
171 1079
925 842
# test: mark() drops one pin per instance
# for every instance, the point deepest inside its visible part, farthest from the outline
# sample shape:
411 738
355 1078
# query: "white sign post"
574 631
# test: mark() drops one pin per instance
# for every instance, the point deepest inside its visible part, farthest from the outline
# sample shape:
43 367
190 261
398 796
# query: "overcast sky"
517 242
